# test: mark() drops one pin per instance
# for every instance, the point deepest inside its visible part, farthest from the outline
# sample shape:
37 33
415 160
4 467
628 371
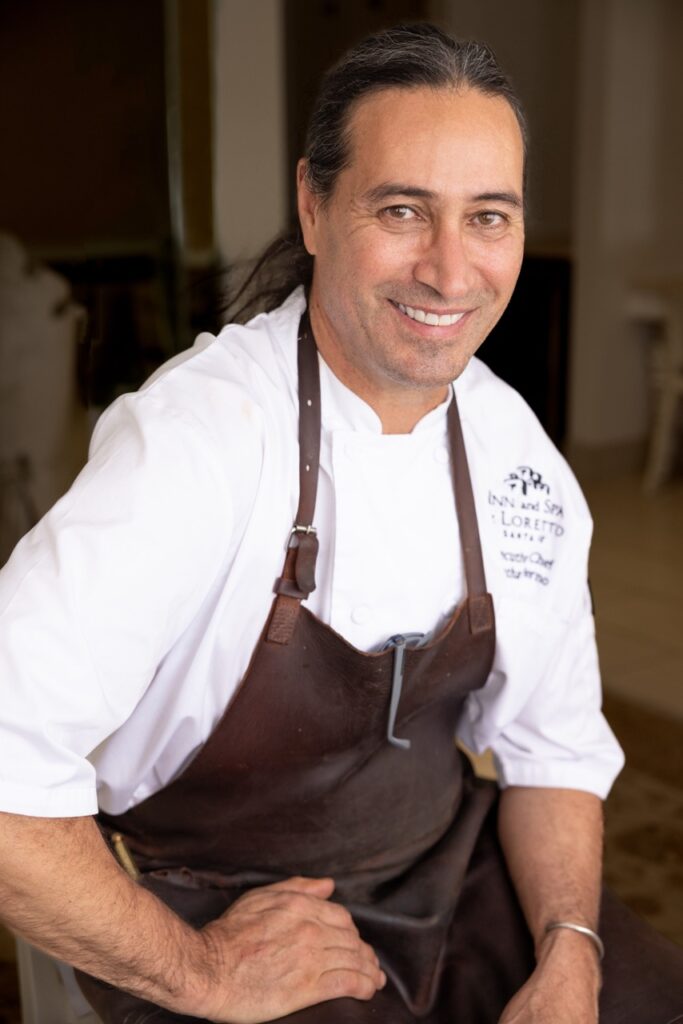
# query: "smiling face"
419 246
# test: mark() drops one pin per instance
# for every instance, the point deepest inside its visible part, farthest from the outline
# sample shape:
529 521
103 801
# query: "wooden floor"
637 579
636 573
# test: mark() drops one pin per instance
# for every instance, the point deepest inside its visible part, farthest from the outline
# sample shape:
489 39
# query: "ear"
308 204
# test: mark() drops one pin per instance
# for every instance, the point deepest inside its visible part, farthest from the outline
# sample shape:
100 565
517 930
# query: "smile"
433 319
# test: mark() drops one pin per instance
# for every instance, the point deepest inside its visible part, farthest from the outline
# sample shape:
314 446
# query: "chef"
300 561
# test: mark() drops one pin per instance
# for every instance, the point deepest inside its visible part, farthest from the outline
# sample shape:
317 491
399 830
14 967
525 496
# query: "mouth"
432 319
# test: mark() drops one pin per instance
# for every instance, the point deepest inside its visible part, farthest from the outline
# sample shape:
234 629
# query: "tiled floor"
637 578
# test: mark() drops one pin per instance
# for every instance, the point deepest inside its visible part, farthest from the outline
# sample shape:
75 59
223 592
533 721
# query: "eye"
399 214
490 219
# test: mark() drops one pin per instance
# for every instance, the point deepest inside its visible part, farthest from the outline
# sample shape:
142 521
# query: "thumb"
320 887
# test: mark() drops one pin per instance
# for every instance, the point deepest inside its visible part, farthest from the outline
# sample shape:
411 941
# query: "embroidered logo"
527 522
525 479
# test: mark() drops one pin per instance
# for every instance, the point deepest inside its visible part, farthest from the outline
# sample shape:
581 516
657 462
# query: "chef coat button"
441 454
360 614
473 711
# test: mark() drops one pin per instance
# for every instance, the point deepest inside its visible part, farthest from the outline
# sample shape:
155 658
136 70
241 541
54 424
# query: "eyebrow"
511 198
390 190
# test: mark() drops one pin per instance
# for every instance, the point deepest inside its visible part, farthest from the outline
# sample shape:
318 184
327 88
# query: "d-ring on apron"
300 778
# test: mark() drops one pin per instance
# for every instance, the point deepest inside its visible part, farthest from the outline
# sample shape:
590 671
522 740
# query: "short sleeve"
97 593
540 711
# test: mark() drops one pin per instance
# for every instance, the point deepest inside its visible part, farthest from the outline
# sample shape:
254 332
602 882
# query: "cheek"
501 264
385 257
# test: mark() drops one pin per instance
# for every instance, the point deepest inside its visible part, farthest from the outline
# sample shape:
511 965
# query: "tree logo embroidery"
526 479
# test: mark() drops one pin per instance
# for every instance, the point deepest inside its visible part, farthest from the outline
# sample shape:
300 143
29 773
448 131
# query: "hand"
281 948
563 988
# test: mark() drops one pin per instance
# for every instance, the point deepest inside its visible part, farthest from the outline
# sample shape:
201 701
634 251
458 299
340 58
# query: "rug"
644 817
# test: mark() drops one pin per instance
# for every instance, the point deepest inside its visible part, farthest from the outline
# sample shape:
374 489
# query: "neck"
398 407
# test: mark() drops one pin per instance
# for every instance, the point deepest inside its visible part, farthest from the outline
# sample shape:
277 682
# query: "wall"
669 170
250 189
83 136
189 116
628 220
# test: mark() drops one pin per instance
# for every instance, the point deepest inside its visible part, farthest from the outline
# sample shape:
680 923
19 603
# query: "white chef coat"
128 615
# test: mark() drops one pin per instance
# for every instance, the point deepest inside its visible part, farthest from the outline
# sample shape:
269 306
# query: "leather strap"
298 575
480 606
309 423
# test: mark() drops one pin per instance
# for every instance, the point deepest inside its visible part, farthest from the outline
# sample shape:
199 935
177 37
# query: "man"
294 792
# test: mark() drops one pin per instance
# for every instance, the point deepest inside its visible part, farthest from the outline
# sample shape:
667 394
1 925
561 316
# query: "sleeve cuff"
587 776
36 802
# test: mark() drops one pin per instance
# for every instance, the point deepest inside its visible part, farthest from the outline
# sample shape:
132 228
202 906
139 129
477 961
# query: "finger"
320 887
339 982
342 938
333 915
306 906
361 955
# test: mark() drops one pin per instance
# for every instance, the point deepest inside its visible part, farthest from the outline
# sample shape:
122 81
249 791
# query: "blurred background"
148 155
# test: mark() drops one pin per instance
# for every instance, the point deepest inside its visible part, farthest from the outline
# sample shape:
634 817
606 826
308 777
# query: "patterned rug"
643 834
644 817
644 850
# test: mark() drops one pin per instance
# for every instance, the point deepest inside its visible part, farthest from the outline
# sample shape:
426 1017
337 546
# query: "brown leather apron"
331 761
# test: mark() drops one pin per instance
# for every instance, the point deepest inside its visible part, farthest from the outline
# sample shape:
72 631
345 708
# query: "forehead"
441 139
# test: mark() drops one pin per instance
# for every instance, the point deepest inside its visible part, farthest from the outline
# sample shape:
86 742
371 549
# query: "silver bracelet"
588 932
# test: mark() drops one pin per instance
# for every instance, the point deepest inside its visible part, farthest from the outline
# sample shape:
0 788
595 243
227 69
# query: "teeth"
433 319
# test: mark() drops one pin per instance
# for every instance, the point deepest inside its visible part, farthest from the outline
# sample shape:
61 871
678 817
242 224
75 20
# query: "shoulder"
220 401
253 362
535 520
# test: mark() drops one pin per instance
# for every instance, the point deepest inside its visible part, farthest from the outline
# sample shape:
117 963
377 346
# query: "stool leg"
661 449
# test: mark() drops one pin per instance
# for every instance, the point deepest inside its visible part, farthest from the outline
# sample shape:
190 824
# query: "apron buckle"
399 642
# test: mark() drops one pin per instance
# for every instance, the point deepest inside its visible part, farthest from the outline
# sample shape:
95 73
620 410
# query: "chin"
438 373
429 379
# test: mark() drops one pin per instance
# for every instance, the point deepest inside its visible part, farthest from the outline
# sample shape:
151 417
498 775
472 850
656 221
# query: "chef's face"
419 246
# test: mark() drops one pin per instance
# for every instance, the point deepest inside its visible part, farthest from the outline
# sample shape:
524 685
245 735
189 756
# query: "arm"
278 949
552 841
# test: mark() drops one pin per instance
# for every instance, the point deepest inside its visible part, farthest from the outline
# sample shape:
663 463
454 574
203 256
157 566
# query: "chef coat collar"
343 409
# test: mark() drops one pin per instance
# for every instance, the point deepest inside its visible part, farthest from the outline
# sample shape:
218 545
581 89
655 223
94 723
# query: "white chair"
660 303
667 380
48 990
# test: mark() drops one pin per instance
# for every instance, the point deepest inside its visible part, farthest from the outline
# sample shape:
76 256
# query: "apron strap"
298 575
309 424
479 605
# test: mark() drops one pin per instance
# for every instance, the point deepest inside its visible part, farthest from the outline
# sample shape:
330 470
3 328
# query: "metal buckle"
296 531
399 642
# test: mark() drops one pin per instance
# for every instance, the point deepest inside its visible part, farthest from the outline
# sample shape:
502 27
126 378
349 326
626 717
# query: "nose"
446 264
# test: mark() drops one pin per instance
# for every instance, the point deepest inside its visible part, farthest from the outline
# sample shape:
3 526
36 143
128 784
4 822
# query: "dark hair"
404 57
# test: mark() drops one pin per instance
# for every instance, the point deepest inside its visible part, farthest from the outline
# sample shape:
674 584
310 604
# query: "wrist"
202 974
574 951
581 929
